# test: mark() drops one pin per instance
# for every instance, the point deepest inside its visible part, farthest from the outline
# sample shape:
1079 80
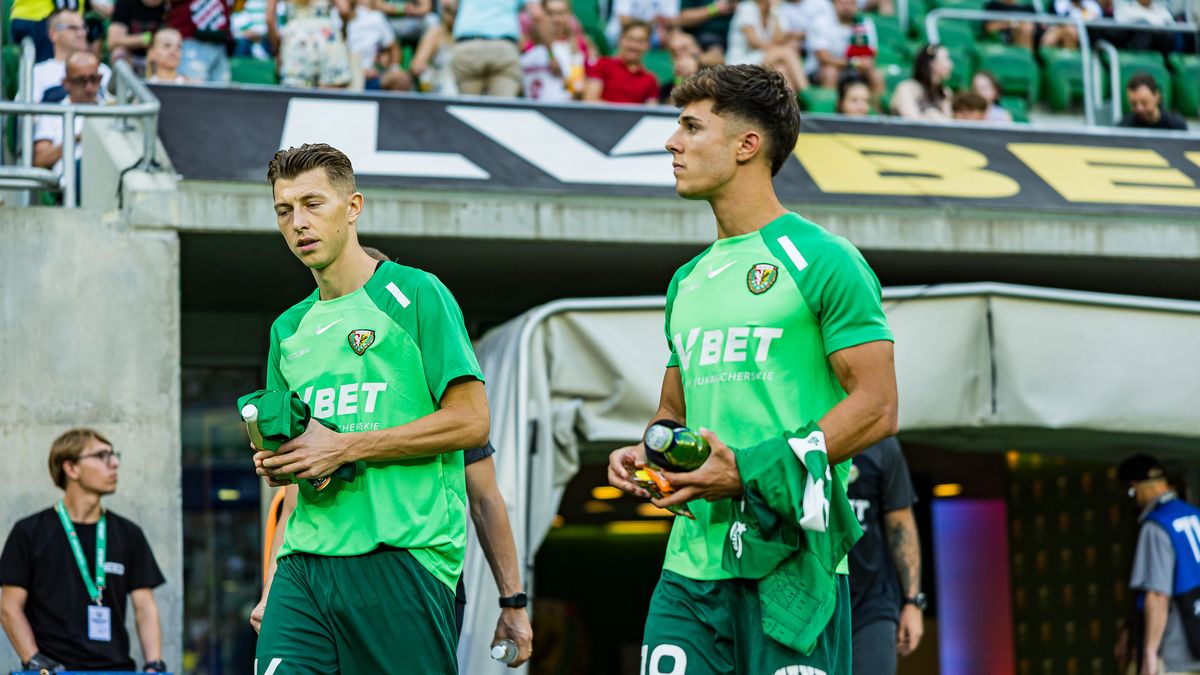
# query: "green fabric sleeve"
442 337
850 303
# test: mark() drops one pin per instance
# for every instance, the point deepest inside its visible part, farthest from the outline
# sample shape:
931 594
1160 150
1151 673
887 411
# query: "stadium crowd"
845 56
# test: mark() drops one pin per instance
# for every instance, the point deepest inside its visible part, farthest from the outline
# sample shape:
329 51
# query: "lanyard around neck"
95 588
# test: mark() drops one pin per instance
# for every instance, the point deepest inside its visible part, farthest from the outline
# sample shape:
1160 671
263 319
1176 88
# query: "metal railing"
133 100
1091 93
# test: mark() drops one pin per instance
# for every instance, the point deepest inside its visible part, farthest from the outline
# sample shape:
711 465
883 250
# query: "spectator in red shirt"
623 78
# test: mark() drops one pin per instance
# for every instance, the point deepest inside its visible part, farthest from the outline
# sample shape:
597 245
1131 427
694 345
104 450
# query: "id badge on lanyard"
99 617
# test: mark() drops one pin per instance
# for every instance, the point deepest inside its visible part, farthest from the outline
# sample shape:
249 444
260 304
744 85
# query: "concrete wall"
89 335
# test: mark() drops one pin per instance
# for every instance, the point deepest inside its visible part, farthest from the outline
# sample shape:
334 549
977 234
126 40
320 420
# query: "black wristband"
41 662
515 601
157 666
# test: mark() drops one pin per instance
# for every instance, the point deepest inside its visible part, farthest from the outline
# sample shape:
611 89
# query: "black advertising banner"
423 142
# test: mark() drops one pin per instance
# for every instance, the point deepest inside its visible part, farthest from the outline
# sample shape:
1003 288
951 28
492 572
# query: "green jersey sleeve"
847 300
442 337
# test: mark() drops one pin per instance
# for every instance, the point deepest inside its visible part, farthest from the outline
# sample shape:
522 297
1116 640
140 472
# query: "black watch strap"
514 601
917 601
158 666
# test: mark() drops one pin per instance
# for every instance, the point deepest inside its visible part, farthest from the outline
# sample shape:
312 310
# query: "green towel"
790 530
282 416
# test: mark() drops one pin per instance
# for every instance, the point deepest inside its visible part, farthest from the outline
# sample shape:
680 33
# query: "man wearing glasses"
69 35
67 572
82 82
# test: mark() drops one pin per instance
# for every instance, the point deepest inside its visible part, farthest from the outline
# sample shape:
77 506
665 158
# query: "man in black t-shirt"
886 602
1146 109
132 28
66 573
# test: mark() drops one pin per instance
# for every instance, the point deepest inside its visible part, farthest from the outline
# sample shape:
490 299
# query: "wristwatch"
159 666
918 601
516 600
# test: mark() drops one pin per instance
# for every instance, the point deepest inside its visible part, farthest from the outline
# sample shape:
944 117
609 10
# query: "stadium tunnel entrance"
594 571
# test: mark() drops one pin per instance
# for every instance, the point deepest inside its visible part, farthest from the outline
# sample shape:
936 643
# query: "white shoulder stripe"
405 302
792 252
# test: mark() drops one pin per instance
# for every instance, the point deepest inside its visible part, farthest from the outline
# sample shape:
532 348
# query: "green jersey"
751 323
377 358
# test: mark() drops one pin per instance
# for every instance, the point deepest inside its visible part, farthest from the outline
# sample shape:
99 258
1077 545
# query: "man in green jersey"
366 573
775 327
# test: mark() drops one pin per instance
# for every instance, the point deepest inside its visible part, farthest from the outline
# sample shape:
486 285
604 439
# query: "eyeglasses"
82 80
106 456
70 27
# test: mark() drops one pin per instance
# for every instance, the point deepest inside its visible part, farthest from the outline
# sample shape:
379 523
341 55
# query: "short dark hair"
637 23
1142 79
969 101
67 448
850 79
756 94
287 164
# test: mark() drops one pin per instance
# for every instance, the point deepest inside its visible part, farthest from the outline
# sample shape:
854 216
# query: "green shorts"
376 613
715 628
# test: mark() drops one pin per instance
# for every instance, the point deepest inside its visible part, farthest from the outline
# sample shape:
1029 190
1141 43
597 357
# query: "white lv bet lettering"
344 400
733 345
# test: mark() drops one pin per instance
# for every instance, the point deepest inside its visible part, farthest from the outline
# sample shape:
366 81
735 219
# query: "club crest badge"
761 278
360 340
853 474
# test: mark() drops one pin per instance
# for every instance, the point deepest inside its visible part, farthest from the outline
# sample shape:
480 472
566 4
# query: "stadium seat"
917 9
1187 82
963 67
1013 67
1133 62
956 34
819 100
252 71
1062 77
11 55
961 4
891 35
658 61
1018 107
588 13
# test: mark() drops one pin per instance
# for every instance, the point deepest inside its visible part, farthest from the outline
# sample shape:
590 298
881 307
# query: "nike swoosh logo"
712 273
322 329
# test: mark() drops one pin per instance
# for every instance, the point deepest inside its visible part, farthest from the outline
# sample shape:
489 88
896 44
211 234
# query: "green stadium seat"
1013 67
819 100
957 34
961 4
964 67
252 71
588 13
658 61
11 56
917 9
1133 62
1187 82
892 54
891 35
1016 106
1062 77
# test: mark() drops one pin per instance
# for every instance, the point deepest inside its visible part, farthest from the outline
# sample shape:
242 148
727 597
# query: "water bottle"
675 449
505 651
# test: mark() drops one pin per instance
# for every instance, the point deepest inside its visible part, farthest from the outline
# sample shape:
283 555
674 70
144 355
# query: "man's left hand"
316 453
909 630
717 478
514 625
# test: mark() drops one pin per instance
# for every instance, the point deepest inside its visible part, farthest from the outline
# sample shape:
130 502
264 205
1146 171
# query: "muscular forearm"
148 628
19 632
445 430
1156 621
495 536
859 421
905 547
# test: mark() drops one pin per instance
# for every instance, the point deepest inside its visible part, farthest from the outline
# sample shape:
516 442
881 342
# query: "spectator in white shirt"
372 42
662 15
757 36
1146 12
830 47
82 82
553 69
69 35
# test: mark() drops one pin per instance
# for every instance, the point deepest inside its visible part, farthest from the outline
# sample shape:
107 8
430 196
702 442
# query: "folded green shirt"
790 530
282 416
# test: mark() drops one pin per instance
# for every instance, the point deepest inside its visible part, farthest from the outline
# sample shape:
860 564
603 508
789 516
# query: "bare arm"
145 611
272 18
752 38
118 37
16 625
593 89
285 512
46 154
1156 622
426 49
461 422
905 546
491 524
695 16
868 414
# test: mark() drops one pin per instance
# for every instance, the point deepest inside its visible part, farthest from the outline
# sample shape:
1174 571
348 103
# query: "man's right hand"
621 465
39 662
256 614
